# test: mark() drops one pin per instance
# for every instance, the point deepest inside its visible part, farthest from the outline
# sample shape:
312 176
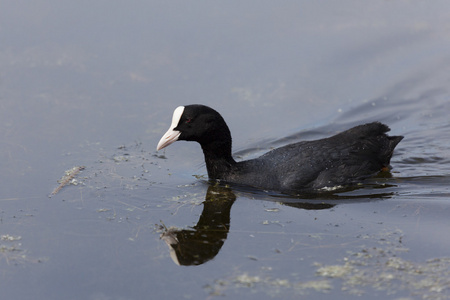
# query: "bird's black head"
198 123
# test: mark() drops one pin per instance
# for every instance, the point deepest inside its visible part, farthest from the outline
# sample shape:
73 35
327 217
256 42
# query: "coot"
341 160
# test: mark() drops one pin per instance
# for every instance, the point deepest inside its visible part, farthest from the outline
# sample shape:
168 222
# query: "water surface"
95 84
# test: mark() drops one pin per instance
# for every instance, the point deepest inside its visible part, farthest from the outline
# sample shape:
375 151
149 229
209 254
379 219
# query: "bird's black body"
343 159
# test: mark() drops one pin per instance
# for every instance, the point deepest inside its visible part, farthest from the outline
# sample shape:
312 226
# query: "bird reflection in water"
201 243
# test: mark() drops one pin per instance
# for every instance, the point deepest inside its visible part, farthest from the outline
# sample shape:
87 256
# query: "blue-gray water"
94 84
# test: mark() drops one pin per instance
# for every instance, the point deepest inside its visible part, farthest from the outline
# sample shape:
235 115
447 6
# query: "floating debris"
383 269
272 209
68 178
376 267
334 271
275 286
10 238
11 251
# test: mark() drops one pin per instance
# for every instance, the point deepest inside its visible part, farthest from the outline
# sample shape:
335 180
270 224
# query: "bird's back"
340 160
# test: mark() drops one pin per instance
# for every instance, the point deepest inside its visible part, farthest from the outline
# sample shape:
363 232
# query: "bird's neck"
218 159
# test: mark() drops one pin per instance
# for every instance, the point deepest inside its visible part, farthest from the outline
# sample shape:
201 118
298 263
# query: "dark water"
94 84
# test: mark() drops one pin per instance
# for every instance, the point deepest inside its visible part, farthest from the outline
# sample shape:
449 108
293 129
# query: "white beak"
171 135
168 138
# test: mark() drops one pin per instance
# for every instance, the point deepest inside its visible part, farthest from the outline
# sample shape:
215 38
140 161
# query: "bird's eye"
189 120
